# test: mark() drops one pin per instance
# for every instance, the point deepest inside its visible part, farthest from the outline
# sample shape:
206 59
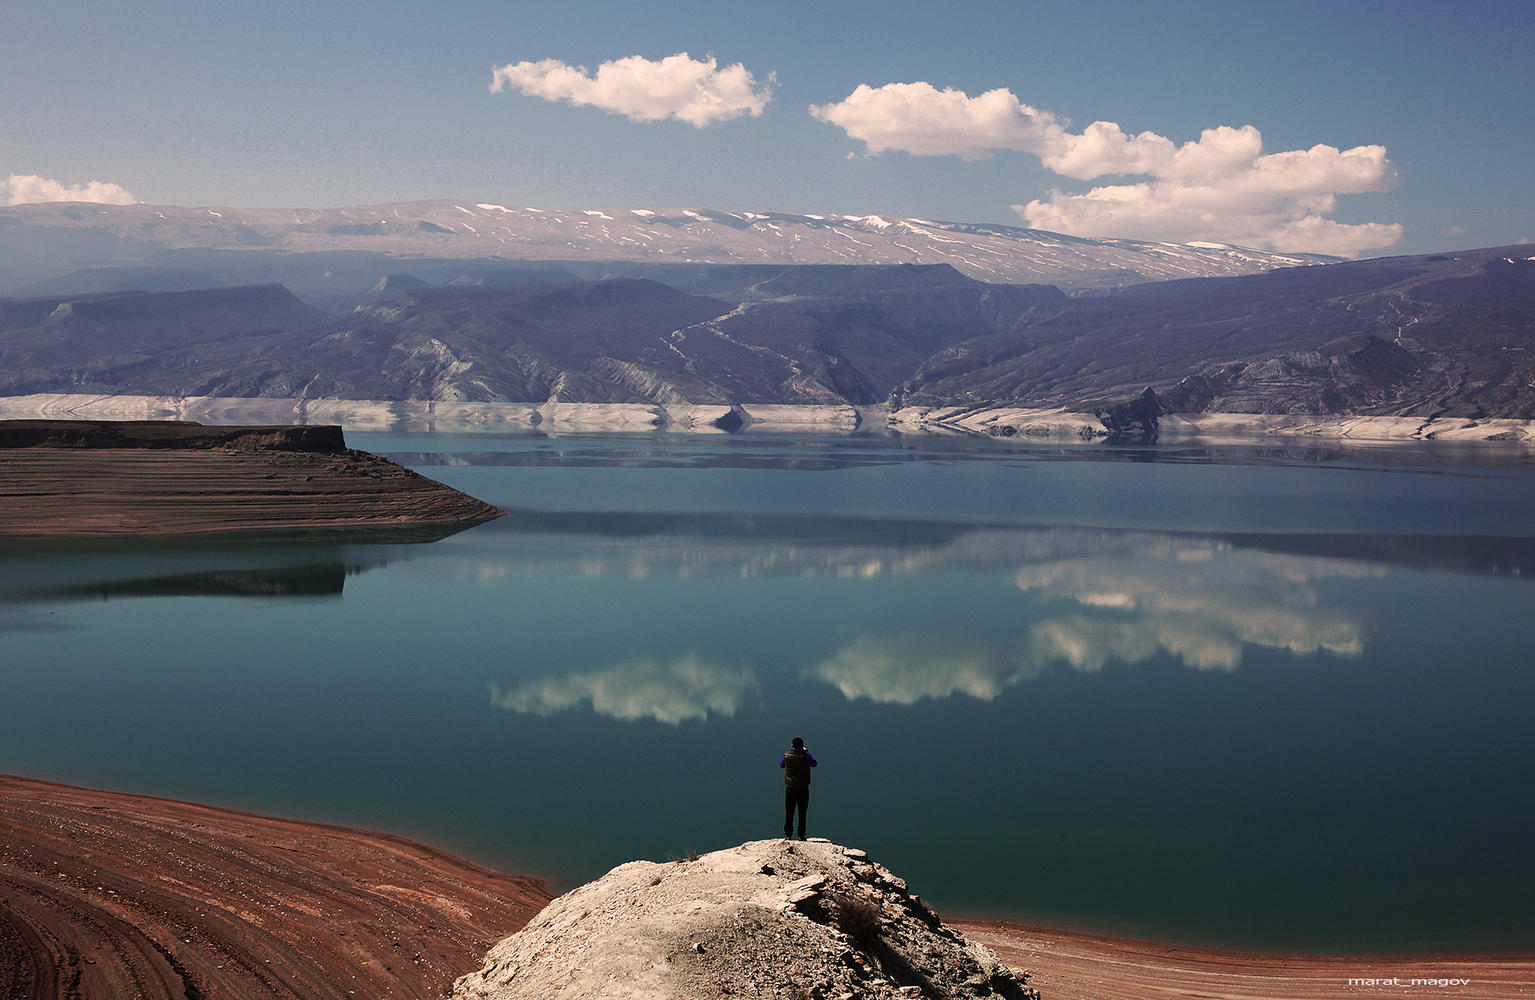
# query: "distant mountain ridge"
45 241
623 340
1437 335
1440 335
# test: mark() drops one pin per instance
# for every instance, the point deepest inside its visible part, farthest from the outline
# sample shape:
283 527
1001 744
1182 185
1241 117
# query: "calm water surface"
1257 696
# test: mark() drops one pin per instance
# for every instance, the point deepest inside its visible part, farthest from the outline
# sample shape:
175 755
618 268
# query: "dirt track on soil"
106 896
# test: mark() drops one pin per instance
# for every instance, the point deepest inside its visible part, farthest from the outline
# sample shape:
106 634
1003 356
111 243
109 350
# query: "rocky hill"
811 335
1433 335
39 243
769 919
1436 336
103 342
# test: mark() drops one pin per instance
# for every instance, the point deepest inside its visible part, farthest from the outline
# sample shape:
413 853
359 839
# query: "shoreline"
1080 965
1042 425
131 895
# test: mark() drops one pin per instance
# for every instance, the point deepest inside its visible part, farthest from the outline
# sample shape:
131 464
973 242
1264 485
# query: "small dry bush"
857 917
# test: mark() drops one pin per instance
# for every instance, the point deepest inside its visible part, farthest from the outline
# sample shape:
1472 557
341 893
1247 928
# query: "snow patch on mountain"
439 229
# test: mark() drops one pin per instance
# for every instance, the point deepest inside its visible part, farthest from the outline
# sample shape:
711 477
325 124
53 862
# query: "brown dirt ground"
1069 965
107 896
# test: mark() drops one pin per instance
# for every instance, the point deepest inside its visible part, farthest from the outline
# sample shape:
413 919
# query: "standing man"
796 766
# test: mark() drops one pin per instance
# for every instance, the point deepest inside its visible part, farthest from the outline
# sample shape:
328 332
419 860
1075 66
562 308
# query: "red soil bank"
1068 965
119 897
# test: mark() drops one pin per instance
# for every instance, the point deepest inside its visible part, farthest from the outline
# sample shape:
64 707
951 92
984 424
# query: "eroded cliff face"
770 918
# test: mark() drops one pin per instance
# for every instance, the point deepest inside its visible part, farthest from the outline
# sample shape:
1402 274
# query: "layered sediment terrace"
104 479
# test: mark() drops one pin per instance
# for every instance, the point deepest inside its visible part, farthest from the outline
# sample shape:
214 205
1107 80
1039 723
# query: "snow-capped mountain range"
41 241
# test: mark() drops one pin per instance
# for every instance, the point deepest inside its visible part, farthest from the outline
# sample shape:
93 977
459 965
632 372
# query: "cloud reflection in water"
683 688
904 669
1197 600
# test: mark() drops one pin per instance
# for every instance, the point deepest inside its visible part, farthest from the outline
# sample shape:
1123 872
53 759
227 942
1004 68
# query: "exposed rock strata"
102 479
1055 424
1209 428
770 918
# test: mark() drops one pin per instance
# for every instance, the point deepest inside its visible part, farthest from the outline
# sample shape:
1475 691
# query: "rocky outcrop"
770 918
1134 419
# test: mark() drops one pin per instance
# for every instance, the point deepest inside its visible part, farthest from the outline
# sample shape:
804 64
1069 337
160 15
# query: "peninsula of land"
104 894
125 479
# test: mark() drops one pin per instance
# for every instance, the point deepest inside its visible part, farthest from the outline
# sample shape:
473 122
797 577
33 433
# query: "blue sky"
343 102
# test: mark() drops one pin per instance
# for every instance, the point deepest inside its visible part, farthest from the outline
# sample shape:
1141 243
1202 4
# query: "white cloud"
1278 201
687 687
1221 187
30 189
920 119
695 91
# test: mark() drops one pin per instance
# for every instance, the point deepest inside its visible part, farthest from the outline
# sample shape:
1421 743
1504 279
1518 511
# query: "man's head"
799 744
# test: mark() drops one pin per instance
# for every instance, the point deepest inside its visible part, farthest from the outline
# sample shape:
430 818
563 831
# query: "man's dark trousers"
795 798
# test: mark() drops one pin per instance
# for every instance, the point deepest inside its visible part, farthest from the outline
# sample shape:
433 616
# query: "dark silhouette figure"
796 766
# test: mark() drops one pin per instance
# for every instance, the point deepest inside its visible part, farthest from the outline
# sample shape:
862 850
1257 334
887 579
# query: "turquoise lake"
1277 696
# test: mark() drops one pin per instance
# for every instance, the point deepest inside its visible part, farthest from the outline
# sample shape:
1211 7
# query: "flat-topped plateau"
124 479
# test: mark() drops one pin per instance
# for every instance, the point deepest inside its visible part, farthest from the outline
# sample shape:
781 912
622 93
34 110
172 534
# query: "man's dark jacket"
796 766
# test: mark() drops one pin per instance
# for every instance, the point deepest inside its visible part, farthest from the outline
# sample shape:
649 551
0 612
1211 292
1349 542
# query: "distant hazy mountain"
1436 335
115 343
620 340
40 244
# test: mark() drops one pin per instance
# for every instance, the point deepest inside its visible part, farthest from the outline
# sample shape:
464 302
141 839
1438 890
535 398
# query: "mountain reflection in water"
42 574
782 452
743 544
